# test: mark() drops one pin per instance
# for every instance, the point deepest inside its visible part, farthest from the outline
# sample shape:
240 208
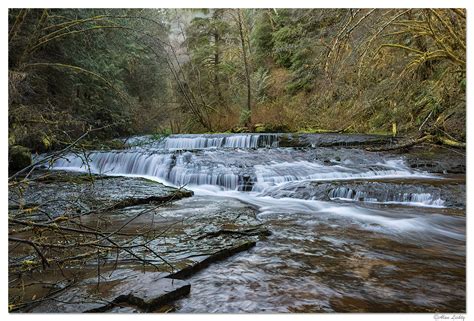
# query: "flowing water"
351 230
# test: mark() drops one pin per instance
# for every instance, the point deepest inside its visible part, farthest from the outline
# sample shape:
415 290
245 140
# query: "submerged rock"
146 292
204 261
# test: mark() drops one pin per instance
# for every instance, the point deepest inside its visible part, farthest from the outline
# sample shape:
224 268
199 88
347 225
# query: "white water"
197 142
414 199
211 168
391 221
335 234
225 173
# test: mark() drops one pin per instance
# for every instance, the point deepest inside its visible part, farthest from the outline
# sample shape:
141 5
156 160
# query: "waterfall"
188 168
196 142
178 169
235 162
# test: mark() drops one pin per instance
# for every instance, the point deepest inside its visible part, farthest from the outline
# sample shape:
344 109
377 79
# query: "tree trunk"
247 69
220 98
216 17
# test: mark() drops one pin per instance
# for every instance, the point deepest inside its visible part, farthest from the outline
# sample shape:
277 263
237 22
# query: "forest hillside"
161 71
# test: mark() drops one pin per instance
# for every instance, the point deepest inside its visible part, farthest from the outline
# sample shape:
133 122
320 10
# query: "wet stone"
152 294
323 253
436 160
140 291
193 234
346 140
58 193
429 192
204 261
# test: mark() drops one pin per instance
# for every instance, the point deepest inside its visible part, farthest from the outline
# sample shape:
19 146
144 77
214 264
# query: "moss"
315 131
380 132
260 128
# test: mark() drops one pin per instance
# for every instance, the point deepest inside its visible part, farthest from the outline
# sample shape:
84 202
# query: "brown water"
320 263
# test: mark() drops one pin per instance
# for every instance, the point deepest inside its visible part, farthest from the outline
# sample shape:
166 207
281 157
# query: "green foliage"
244 116
334 69
83 69
463 84
286 44
260 83
262 38
162 134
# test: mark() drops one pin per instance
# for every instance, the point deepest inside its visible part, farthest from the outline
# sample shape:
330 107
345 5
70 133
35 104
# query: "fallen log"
425 139
451 142
408 144
249 232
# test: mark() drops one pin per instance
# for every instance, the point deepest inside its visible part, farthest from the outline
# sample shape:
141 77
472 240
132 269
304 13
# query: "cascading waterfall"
194 142
173 160
176 169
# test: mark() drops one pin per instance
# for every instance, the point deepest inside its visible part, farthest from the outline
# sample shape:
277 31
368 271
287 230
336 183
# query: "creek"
352 230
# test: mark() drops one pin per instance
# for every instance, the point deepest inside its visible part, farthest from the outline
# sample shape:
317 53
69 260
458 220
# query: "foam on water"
209 173
390 221
350 241
278 173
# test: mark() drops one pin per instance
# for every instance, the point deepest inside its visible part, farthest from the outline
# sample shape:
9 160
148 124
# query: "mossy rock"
260 128
271 128
19 157
114 144
240 130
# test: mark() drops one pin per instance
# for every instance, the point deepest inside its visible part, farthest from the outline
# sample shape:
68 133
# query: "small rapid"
281 180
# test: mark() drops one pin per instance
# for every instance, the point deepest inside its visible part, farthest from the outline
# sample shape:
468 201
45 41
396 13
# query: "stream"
351 230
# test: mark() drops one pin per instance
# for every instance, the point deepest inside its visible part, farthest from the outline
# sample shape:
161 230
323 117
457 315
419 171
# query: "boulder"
19 157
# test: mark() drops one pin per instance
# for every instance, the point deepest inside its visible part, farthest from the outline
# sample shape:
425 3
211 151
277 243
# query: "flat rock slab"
150 294
188 234
202 262
58 192
139 292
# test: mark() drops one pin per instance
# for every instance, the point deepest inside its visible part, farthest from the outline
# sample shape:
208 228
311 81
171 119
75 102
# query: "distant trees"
243 32
217 42
230 69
